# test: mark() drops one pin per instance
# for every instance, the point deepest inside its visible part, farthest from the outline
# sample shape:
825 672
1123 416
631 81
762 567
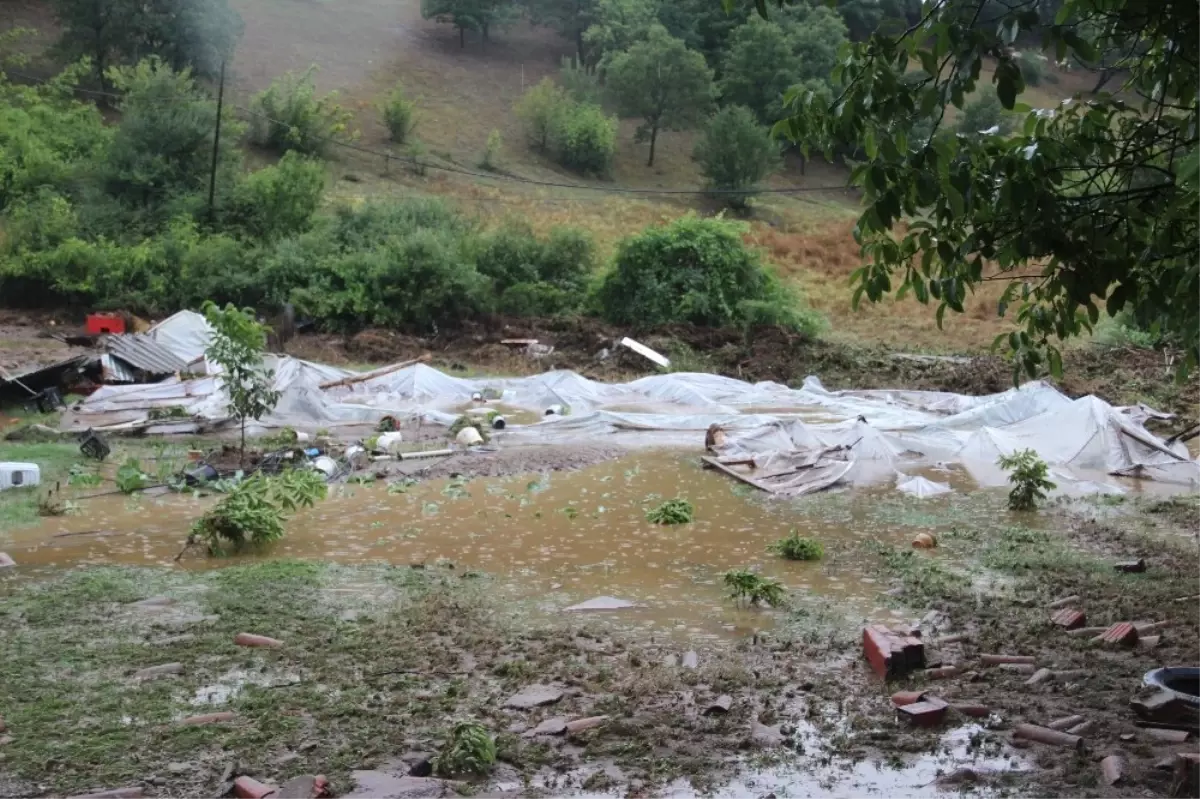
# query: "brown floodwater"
556 539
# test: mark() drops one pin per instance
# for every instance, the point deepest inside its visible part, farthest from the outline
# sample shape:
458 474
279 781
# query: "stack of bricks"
892 654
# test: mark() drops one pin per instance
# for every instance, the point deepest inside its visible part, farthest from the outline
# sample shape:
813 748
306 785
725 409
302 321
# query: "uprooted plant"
752 589
254 510
1028 474
673 511
469 750
130 477
795 547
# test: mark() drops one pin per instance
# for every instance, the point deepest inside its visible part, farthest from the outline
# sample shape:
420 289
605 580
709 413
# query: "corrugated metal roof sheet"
144 353
115 370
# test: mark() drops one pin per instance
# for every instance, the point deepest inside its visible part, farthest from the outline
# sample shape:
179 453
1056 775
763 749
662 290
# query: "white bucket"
389 442
469 437
325 465
19 475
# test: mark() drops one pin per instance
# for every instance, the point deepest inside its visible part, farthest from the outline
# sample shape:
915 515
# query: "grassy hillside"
363 47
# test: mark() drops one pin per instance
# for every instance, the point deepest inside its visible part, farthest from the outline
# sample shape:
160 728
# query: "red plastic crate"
100 323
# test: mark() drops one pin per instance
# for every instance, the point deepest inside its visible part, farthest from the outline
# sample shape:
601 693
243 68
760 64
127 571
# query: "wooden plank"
352 379
716 464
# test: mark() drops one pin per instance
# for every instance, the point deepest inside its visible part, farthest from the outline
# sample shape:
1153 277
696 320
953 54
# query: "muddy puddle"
556 539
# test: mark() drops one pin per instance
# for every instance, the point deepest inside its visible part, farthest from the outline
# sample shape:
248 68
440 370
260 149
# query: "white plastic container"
469 437
19 475
389 442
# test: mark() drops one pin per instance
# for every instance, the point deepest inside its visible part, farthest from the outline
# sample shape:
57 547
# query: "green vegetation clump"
399 114
697 271
735 154
465 421
578 135
469 750
749 588
1028 474
795 547
673 511
290 116
253 511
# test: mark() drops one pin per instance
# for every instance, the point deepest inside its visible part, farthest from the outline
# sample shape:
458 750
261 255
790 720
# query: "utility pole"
212 177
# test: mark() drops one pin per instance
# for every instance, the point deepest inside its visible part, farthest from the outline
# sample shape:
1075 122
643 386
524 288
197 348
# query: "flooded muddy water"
555 539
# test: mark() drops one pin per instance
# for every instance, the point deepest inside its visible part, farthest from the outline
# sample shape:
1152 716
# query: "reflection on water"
555 538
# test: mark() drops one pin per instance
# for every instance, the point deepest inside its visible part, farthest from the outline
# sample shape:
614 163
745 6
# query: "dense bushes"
698 271
290 116
399 114
580 136
735 154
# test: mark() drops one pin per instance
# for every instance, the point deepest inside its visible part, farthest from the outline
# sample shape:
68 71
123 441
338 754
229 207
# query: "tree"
618 25
1089 208
767 57
162 149
475 15
195 34
759 68
736 153
539 108
237 345
663 82
570 18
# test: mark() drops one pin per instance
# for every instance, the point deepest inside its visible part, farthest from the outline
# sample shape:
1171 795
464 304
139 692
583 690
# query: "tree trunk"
484 30
579 44
653 139
462 36
1105 76
803 164
242 453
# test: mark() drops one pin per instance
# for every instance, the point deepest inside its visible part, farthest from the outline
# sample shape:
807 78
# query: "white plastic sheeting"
881 433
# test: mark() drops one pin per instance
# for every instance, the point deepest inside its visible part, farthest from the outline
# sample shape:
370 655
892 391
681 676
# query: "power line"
492 176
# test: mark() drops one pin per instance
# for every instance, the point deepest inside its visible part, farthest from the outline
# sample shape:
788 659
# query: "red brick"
250 639
1122 633
926 713
1070 619
892 655
902 698
975 711
250 788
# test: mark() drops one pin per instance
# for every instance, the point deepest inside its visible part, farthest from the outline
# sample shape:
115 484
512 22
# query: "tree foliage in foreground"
237 345
1088 208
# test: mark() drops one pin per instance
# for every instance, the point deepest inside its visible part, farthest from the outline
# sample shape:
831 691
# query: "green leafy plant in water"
401 486
254 511
673 511
130 477
746 586
80 475
469 750
794 547
569 511
1028 475
454 489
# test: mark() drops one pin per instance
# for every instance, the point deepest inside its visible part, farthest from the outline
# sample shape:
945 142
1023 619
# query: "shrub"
469 750
290 116
796 548
539 108
585 139
237 345
399 114
536 299
746 586
491 151
735 154
1033 69
1028 474
580 81
417 282
673 511
279 200
568 258
254 511
690 270
510 255
984 113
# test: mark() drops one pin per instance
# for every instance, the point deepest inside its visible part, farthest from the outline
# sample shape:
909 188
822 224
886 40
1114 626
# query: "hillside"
363 48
